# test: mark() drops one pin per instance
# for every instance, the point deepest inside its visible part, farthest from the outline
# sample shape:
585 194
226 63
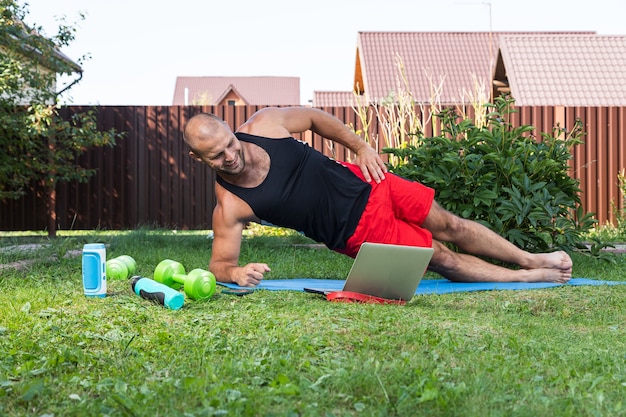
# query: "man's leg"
475 239
468 268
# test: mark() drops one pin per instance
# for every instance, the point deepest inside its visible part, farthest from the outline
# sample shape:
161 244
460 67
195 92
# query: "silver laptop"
386 271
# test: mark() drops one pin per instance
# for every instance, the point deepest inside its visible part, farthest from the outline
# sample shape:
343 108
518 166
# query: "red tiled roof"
271 91
334 99
566 70
428 58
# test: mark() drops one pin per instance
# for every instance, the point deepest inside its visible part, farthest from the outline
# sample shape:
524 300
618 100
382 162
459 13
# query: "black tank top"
305 191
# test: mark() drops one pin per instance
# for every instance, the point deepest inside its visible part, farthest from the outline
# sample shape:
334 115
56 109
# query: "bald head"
200 128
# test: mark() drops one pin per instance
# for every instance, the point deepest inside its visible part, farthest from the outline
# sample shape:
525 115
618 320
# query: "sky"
135 49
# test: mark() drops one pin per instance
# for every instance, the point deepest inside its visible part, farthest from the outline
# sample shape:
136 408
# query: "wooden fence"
148 179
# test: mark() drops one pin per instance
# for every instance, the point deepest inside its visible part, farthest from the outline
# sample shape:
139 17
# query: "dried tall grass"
403 121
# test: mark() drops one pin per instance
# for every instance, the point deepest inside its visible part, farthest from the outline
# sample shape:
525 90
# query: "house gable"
272 91
231 97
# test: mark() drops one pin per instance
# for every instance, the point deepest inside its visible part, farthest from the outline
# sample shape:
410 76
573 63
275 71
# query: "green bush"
502 177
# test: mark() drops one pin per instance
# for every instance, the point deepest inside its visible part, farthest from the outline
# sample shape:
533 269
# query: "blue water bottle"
94 270
155 291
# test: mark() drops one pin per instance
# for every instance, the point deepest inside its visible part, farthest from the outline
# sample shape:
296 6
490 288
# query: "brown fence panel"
149 179
597 162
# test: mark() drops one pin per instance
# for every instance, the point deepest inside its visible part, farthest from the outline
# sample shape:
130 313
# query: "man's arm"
229 219
282 122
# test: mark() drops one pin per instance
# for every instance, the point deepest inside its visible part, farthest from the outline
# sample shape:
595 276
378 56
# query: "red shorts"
394 213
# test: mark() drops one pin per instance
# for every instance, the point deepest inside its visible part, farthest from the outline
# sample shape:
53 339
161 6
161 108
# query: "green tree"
36 144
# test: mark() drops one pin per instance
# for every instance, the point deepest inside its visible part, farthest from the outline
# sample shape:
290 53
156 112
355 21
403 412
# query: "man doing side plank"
265 174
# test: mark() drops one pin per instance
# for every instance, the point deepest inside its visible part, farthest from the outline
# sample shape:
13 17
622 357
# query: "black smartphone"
237 291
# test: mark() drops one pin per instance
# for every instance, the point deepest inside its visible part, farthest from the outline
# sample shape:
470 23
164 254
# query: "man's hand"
251 275
371 164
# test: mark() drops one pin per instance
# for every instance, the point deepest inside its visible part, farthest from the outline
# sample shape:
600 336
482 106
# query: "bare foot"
552 260
559 276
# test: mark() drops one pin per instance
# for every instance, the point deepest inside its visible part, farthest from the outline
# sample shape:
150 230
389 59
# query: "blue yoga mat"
427 286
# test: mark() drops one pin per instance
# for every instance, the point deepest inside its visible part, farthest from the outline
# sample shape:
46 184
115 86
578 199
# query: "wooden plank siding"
148 178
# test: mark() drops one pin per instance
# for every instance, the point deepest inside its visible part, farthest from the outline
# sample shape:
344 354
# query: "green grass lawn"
556 352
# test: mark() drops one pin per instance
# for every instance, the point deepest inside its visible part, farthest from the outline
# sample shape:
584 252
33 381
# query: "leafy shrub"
502 177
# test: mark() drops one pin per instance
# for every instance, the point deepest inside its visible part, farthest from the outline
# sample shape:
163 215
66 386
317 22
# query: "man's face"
223 153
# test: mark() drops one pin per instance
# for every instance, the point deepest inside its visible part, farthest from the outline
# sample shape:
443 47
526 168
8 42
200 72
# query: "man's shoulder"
268 122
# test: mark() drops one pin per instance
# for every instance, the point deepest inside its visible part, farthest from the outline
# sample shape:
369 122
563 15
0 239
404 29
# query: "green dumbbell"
198 283
121 267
